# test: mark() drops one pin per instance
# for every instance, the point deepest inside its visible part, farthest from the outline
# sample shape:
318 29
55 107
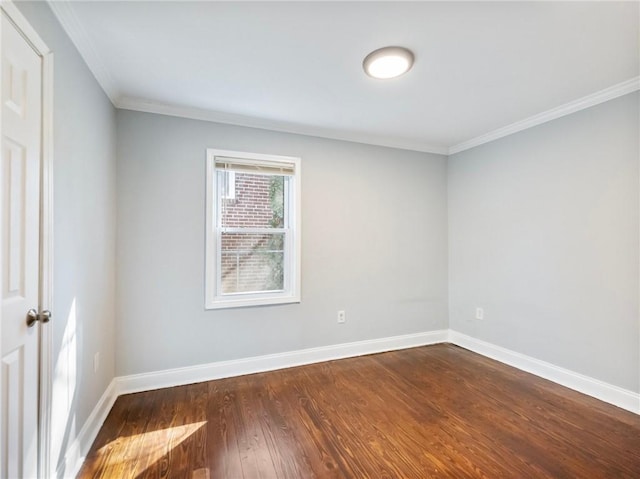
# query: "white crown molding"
270 362
596 98
79 448
588 101
609 393
67 17
137 104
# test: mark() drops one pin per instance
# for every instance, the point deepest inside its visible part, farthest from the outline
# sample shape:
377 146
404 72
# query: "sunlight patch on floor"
149 447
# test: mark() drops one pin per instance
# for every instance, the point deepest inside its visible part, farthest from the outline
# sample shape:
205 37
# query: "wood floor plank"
289 460
302 457
435 411
222 443
358 426
198 397
147 443
124 418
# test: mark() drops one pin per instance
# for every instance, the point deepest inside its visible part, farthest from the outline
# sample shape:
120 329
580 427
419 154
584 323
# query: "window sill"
246 303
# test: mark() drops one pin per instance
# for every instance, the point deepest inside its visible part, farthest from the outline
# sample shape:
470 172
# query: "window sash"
289 167
287 251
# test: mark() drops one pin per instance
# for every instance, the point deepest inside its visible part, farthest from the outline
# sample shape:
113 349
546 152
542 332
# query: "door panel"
15 157
19 251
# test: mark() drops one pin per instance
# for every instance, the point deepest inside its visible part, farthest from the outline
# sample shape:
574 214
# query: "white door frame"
46 233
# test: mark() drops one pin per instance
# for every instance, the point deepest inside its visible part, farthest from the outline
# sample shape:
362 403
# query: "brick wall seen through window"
248 260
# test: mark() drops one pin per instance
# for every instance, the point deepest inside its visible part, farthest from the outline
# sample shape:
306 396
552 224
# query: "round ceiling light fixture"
388 62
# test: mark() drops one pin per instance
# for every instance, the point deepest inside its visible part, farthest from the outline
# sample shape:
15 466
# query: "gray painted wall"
543 233
84 231
374 243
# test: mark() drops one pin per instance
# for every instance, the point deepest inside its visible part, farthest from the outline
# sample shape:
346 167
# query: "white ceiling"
482 69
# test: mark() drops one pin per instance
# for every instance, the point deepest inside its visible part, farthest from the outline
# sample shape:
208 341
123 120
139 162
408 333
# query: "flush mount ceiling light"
388 62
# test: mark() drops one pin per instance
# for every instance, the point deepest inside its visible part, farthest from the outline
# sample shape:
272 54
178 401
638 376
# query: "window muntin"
253 240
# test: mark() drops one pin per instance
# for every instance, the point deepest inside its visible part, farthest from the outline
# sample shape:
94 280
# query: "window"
253 229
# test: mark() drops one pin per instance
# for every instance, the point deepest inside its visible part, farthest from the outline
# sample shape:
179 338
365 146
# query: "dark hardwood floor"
434 411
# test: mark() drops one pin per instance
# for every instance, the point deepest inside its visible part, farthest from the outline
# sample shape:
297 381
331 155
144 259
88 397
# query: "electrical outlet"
479 313
341 317
96 362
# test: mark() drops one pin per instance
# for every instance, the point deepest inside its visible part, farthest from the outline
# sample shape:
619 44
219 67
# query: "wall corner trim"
78 449
271 362
609 393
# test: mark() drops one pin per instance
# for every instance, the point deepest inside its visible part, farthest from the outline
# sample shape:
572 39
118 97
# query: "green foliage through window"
276 242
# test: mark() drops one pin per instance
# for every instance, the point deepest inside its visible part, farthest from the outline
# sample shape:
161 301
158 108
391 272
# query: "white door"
21 124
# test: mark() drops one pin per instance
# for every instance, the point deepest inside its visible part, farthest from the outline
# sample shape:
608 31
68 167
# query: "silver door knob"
45 316
32 317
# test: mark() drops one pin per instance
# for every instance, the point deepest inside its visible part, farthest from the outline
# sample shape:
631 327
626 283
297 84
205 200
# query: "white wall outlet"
479 313
341 317
96 362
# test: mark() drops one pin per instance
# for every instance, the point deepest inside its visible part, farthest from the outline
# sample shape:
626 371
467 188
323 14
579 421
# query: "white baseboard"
270 362
79 448
175 377
617 396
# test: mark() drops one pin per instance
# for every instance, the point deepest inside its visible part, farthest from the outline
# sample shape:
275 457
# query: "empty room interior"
320 239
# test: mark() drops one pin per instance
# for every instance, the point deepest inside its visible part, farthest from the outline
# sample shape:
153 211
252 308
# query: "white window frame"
230 187
214 299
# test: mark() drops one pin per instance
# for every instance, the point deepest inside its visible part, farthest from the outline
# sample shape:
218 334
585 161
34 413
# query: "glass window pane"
257 202
252 262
